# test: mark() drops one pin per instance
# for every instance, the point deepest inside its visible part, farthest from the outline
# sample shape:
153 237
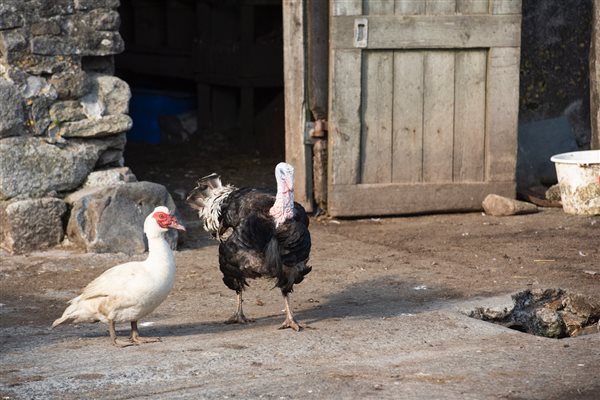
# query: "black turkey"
261 234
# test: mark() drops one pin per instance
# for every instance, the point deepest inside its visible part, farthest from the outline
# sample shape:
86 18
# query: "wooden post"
297 153
595 76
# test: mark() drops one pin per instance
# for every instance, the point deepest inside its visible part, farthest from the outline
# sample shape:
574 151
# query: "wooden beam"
412 198
431 31
296 152
595 76
317 20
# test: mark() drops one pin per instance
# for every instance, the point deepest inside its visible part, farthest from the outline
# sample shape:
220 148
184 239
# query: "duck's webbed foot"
135 337
113 336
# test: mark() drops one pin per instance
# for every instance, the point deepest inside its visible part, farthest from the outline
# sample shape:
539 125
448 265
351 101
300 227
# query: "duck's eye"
162 215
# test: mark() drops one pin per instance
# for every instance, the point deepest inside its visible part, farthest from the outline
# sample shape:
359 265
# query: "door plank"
407 162
378 7
377 101
471 7
502 113
438 116
345 124
409 7
469 116
438 7
346 7
431 31
506 7
395 198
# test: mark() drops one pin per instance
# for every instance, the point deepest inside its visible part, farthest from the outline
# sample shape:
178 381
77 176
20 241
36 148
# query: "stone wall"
63 114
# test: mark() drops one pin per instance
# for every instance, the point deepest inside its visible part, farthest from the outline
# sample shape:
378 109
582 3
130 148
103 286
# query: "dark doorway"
207 89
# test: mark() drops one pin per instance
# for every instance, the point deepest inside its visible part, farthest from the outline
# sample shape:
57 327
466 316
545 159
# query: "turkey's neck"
283 209
159 252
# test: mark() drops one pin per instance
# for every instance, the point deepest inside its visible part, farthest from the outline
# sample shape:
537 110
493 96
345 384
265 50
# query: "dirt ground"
384 312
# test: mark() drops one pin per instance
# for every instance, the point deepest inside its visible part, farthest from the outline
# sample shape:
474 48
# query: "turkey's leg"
137 339
238 317
290 321
113 335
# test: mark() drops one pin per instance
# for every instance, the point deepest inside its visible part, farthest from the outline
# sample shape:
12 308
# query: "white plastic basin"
578 175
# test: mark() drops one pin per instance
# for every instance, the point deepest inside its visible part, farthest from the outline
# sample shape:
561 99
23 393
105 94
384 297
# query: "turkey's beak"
176 225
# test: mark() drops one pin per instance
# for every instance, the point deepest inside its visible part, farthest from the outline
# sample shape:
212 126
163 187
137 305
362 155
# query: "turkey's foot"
292 324
238 318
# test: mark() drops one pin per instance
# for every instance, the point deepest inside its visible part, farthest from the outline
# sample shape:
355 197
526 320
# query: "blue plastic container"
145 108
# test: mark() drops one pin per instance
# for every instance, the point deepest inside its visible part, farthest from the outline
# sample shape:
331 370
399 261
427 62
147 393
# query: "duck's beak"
176 225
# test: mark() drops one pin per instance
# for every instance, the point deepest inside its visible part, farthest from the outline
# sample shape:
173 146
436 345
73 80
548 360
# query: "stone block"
13 44
102 19
109 95
108 177
49 8
39 96
91 4
38 167
11 104
111 220
503 206
45 28
35 64
31 224
70 84
66 111
11 14
85 43
94 128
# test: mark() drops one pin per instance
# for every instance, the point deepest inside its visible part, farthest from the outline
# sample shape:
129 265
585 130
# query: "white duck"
130 291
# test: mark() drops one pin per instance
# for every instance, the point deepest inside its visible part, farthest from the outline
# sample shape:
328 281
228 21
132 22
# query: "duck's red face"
166 221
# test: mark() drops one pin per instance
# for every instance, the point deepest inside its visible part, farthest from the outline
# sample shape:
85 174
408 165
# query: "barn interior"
206 78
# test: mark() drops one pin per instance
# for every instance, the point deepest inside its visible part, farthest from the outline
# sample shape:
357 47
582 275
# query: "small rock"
502 206
553 193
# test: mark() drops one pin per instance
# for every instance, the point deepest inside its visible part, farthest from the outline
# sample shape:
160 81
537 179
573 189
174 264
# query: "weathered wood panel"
407 163
431 31
344 114
502 113
385 199
346 7
595 77
469 116
296 152
410 7
377 101
378 7
472 6
506 7
438 116
434 7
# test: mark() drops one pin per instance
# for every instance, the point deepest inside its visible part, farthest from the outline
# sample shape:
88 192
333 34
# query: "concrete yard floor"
384 310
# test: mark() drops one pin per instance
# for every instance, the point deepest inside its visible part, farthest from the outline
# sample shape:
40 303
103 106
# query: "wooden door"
423 104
